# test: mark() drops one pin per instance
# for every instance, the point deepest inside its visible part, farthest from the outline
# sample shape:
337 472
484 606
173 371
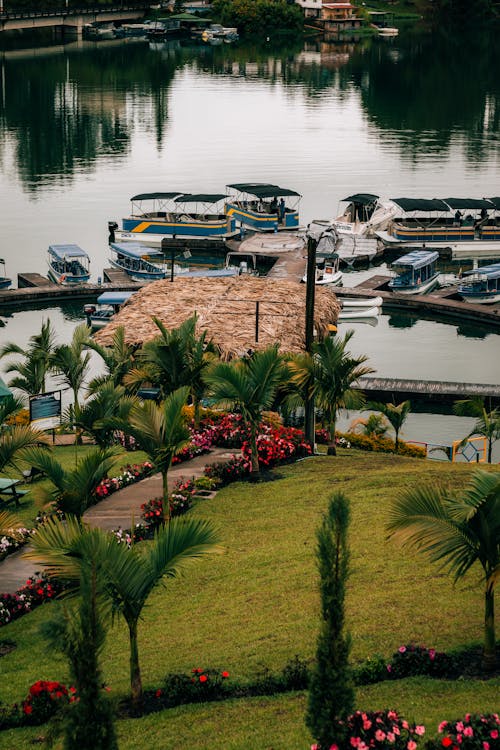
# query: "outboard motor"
89 310
112 227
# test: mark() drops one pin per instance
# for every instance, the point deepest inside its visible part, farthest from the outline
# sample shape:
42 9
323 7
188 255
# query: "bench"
31 474
9 492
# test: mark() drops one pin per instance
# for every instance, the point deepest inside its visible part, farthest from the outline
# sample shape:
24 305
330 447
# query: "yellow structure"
474 450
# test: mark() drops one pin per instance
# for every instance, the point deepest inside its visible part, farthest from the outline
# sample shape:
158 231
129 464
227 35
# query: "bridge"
70 20
437 391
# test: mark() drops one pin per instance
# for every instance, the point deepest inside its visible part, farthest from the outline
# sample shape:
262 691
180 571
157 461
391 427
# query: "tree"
331 691
374 426
161 431
127 575
97 416
70 363
72 489
458 531
328 375
34 366
487 422
250 385
395 414
118 360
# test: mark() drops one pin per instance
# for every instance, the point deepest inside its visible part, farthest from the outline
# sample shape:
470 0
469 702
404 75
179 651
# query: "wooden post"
312 243
257 305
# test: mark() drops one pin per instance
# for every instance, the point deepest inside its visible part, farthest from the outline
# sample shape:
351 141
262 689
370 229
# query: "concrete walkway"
121 509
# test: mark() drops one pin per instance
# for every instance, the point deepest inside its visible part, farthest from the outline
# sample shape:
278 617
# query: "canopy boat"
108 304
176 214
327 271
416 272
136 261
263 207
68 264
481 285
446 220
4 281
363 214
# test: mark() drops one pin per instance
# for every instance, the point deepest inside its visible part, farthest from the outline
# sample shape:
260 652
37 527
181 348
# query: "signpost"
45 410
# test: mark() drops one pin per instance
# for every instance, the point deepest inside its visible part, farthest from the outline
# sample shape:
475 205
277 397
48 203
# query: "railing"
66 9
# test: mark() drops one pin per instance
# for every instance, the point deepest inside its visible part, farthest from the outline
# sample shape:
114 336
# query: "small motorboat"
481 285
358 313
68 264
108 304
136 261
358 302
4 281
415 273
327 271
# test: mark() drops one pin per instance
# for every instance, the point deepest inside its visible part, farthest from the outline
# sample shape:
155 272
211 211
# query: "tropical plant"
161 431
97 415
9 407
395 414
73 490
458 531
127 575
487 422
16 442
70 362
118 360
34 366
374 426
250 385
331 690
328 376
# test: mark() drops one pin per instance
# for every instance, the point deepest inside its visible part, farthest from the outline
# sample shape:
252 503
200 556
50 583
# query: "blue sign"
45 410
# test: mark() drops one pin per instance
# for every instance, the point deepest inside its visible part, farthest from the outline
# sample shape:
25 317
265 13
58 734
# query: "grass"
256 606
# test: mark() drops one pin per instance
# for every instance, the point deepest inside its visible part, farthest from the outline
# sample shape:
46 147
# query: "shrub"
37 590
371 671
382 445
473 732
201 685
412 660
383 730
44 699
237 467
206 483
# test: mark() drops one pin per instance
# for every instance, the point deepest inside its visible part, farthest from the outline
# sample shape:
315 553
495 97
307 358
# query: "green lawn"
256 606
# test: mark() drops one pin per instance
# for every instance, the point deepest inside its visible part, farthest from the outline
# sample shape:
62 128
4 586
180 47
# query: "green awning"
363 199
468 203
200 198
156 196
421 204
496 202
263 190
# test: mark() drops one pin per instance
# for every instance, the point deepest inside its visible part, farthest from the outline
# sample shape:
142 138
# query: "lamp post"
312 243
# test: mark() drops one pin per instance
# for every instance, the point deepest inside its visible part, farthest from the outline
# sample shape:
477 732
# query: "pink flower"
442 726
367 724
379 735
468 732
391 737
459 726
411 745
402 649
420 730
355 741
493 734
486 746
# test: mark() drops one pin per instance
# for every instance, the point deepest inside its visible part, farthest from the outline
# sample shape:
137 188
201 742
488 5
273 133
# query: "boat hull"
66 279
444 234
425 286
359 302
5 283
217 228
138 275
262 222
479 298
356 313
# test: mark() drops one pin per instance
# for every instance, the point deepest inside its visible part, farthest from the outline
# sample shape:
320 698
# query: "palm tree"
161 431
71 363
250 385
374 426
73 489
97 416
328 375
458 531
17 442
395 414
487 422
9 407
118 360
32 369
128 575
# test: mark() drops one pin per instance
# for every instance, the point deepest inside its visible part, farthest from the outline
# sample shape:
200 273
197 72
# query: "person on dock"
458 218
281 210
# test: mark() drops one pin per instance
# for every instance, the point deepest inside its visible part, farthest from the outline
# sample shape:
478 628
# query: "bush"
236 468
382 445
371 671
383 730
45 699
411 660
473 732
200 686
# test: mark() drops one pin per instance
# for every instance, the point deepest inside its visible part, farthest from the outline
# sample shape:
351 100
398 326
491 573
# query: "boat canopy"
496 202
200 198
61 252
136 250
364 199
488 272
156 196
469 203
114 298
421 204
263 190
416 259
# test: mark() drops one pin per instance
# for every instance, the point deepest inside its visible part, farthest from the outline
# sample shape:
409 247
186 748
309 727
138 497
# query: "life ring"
62 278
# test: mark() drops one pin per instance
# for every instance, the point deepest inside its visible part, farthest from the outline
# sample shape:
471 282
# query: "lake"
85 126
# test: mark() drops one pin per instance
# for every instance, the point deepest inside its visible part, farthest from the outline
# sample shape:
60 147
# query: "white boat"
108 304
416 272
245 263
363 215
361 302
327 271
354 313
136 261
68 264
481 285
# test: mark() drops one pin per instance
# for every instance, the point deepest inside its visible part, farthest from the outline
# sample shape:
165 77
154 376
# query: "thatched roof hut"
232 310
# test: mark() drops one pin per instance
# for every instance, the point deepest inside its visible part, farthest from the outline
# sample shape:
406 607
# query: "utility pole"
309 422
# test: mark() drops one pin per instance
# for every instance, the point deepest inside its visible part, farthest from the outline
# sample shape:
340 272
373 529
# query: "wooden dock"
42 290
387 389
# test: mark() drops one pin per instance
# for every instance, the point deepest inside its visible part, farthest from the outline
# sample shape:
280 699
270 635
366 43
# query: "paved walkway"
122 508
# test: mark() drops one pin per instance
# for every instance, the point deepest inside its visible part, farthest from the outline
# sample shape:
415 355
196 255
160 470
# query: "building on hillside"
311 8
340 17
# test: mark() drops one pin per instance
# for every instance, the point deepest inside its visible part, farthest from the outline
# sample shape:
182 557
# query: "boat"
175 214
263 207
136 261
327 271
355 313
363 214
416 272
215 32
108 304
68 264
481 285
97 31
4 281
361 302
245 263
446 220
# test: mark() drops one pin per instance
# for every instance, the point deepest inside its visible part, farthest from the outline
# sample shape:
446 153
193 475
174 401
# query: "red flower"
28 709
203 678
158 693
446 742
225 674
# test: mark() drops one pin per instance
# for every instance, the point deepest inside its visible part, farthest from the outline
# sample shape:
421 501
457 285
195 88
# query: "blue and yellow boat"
177 214
447 220
263 207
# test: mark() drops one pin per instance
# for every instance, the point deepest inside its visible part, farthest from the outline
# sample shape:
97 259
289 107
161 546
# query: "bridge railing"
64 9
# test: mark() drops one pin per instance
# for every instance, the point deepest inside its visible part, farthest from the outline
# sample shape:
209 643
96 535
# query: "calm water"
86 126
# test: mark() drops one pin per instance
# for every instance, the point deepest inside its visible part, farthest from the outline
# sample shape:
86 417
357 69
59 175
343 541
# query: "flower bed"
13 540
378 729
130 474
473 732
37 590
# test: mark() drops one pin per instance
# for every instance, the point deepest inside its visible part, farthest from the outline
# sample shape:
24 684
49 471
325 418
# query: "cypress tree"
331 691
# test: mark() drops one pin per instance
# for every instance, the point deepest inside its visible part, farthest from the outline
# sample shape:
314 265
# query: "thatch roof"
226 309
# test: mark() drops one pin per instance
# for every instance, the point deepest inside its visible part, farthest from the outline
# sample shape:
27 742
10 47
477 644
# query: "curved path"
121 509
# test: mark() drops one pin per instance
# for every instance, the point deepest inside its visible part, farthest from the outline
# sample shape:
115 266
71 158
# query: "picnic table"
9 492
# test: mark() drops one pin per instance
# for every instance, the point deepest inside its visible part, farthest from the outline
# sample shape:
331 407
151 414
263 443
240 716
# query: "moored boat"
108 304
361 302
5 282
263 207
363 214
481 285
327 271
416 272
68 264
176 214
136 261
355 313
446 220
